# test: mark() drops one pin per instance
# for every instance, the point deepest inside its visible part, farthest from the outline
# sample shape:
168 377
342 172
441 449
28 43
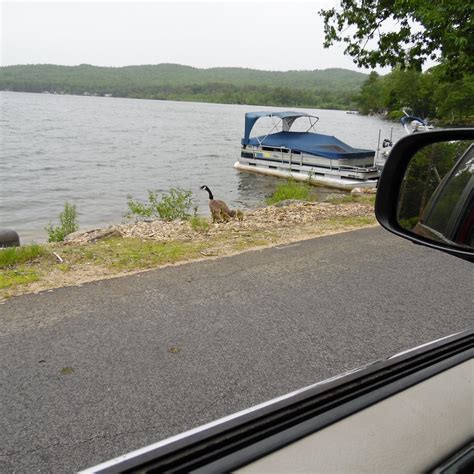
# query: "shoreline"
127 249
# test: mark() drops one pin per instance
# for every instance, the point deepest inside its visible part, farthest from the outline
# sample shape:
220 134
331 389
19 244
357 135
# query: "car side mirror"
426 191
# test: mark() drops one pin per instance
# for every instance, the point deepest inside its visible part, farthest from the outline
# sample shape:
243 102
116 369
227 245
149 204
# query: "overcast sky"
261 35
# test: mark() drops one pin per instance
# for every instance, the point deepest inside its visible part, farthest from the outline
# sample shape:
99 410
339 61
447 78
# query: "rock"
287 202
361 191
92 236
334 197
357 192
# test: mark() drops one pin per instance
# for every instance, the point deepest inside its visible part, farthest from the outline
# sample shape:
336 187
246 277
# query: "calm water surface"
94 152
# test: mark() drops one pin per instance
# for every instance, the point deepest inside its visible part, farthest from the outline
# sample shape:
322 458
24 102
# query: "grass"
130 254
18 255
364 198
20 276
199 224
291 189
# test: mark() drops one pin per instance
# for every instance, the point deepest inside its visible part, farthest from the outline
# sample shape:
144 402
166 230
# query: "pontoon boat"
308 156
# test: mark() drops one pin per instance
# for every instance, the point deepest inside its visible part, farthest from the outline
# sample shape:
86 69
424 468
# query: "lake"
95 151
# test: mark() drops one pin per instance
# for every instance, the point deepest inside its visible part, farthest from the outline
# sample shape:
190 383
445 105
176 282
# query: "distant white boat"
411 124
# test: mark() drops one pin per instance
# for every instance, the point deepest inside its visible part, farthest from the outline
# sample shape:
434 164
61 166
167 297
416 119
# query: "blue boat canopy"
304 142
311 144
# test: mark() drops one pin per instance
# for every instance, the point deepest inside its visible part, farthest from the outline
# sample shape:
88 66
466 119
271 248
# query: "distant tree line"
428 94
332 88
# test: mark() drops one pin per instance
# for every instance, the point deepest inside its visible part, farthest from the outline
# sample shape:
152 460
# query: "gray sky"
260 35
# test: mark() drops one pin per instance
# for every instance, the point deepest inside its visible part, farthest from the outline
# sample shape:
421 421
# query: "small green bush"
68 221
396 115
177 203
409 223
290 190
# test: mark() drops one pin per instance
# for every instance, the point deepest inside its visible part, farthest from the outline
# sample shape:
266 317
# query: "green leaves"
427 94
68 224
177 203
406 32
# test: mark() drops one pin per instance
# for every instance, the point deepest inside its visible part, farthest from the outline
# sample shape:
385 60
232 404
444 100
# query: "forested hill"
329 88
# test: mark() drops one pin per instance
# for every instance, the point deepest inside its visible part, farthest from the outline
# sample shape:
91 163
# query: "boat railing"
312 124
287 153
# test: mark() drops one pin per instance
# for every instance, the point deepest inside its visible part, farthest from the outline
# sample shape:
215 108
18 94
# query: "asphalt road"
91 372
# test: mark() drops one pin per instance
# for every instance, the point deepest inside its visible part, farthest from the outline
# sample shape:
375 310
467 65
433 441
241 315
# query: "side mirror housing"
426 191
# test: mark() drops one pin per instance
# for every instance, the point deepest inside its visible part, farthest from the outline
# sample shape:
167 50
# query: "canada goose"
219 209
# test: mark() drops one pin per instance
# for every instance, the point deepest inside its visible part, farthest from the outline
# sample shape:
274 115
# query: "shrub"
177 203
68 224
396 115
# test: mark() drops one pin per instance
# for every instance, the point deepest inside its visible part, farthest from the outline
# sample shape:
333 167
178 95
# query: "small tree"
68 224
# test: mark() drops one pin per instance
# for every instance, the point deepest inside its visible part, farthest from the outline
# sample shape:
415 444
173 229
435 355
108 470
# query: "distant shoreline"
333 89
355 112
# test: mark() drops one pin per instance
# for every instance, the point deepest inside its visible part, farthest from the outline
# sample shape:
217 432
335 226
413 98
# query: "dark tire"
9 238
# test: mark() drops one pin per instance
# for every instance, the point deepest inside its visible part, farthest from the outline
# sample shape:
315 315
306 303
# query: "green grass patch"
18 255
291 189
364 198
131 254
199 224
138 254
17 277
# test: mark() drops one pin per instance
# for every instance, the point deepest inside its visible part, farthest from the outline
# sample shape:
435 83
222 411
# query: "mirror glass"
436 199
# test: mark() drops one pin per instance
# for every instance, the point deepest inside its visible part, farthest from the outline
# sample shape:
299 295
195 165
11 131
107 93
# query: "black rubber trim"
461 462
236 442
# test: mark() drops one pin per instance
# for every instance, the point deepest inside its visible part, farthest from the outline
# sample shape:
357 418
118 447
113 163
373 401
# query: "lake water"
95 151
